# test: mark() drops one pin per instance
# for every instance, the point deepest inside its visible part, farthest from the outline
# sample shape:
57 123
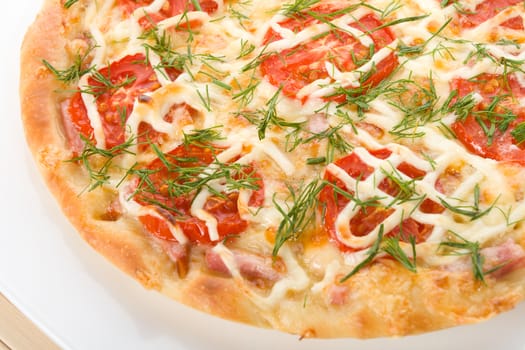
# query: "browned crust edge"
384 300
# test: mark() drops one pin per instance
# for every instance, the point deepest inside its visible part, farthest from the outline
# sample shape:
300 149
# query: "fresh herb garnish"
70 3
104 84
472 211
298 216
371 254
99 173
518 133
292 9
74 72
390 246
461 246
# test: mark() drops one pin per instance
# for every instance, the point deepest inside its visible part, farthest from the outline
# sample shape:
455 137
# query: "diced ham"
215 263
337 294
498 260
506 258
72 134
178 253
252 267
113 211
318 123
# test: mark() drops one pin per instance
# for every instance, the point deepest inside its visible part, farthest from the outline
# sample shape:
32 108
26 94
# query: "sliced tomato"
171 8
515 23
116 91
128 6
372 215
176 210
180 114
485 11
471 131
296 67
76 123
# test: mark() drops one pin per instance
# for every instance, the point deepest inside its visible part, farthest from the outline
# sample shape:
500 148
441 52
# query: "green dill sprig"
372 252
245 94
461 107
357 201
203 137
298 6
298 216
70 3
186 176
99 175
518 133
472 211
103 84
406 189
336 142
497 117
398 21
192 179
419 108
205 98
73 73
391 246
160 44
196 4
462 247
245 49
265 117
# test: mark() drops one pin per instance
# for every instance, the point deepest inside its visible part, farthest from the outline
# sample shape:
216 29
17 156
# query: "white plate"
83 302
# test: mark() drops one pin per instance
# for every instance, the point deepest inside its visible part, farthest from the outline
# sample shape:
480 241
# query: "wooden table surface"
17 332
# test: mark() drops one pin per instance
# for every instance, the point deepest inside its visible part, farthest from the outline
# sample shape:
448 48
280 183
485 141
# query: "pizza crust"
382 300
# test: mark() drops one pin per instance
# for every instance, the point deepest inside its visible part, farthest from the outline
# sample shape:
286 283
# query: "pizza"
326 168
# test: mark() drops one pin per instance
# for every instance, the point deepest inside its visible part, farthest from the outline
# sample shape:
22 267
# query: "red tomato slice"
129 78
224 208
485 11
515 23
128 6
76 123
170 9
470 132
296 67
369 217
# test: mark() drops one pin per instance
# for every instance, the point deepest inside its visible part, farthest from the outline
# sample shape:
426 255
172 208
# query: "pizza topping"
255 268
324 43
338 294
114 90
74 129
473 16
503 259
491 129
192 191
151 13
179 254
353 216
495 261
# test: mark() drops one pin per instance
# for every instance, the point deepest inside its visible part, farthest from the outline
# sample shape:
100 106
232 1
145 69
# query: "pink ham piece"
73 136
178 253
252 267
505 258
499 260
337 294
